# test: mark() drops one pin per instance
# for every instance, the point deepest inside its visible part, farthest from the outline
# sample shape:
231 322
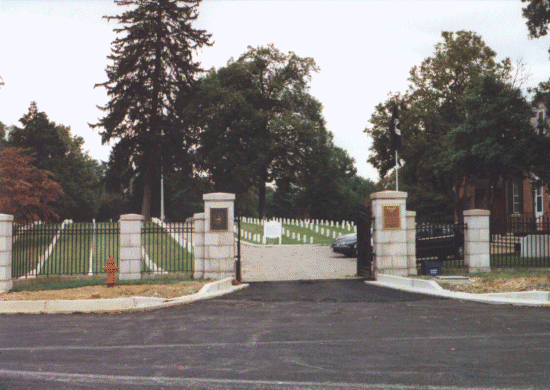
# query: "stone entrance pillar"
6 229
477 248
390 233
130 246
215 238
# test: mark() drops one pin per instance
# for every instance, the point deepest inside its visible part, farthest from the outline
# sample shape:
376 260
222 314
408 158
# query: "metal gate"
364 242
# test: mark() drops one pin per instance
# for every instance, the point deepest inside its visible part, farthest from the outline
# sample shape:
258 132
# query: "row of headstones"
308 224
256 237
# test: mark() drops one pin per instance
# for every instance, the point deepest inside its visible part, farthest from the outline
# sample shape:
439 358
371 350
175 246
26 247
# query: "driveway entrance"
294 262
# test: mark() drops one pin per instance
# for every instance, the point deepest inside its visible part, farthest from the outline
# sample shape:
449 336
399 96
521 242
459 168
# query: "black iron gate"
238 273
364 242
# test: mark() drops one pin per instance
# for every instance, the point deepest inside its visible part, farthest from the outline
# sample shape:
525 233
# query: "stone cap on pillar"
219 196
6 218
477 213
388 195
131 217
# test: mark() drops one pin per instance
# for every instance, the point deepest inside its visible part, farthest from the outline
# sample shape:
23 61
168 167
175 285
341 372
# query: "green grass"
164 251
38 285
29 246
318 238
71 253
513 260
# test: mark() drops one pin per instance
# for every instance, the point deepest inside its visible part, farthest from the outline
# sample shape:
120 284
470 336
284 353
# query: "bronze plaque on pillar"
218 220
392 217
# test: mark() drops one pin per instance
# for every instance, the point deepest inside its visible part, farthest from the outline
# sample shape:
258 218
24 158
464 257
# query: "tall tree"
26 192
152 64
432 107
537 13
257 119
57 151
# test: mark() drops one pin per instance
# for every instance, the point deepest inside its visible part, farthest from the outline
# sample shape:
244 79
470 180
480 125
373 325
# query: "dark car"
346 245
433 241
439 240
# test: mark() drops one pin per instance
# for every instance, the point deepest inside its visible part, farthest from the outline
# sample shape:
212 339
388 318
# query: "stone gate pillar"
130 246
6 230
215 238
390 233
477 248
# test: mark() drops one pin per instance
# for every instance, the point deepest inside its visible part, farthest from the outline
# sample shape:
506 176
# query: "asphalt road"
285 335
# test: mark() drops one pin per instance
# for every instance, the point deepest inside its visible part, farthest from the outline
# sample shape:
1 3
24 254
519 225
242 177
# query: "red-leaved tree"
26 192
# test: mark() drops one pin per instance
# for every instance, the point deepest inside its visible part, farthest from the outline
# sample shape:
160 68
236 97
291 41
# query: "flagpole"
396 173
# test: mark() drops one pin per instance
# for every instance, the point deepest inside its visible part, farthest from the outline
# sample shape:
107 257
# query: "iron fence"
63 248
441 241
520 241
167 247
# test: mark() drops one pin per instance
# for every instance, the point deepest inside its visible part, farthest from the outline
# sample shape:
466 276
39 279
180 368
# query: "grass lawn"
30 244
164 251
45 284
318 238
74 246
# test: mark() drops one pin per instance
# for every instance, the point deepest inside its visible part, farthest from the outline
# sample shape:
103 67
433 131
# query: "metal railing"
440 241
63 248
167 247
520 241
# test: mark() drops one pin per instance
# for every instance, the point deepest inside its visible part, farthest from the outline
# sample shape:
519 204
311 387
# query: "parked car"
439 240
346 245
433 241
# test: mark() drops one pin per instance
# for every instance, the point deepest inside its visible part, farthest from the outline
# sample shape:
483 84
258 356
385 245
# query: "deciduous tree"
57 151
438 103
26 192
256 120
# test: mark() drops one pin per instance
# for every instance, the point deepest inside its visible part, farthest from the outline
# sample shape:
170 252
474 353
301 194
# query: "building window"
538 199
515 196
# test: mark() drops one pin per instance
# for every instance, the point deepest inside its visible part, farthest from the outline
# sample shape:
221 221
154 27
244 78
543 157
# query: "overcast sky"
53 52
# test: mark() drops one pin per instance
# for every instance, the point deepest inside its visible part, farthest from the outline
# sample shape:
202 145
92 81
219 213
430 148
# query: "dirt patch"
119 291
482 285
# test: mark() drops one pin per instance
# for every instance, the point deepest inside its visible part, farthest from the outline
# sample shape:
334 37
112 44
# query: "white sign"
273 229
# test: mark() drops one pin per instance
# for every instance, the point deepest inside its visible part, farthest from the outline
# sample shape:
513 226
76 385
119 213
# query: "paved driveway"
294 262
337 334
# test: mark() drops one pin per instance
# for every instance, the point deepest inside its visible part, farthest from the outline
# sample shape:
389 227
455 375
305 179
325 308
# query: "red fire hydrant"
111 269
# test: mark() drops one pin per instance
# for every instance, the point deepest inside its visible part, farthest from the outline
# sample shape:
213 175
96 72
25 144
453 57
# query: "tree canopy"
461 107
152 64
26 192
55 150
255 120
537 13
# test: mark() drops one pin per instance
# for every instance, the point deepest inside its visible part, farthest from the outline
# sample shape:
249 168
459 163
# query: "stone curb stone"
65 306
430 287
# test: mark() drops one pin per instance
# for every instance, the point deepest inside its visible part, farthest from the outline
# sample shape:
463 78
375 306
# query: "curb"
66 306
430 287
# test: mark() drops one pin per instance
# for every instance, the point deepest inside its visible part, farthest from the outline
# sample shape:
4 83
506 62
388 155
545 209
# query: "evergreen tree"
152 62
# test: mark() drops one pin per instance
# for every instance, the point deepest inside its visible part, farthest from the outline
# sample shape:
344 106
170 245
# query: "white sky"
53 52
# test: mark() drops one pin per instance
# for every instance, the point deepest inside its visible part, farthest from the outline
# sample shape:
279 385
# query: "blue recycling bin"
431 267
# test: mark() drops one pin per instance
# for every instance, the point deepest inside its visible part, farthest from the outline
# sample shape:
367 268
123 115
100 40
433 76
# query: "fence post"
130 246
411 242
477 249
6 230
198 244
